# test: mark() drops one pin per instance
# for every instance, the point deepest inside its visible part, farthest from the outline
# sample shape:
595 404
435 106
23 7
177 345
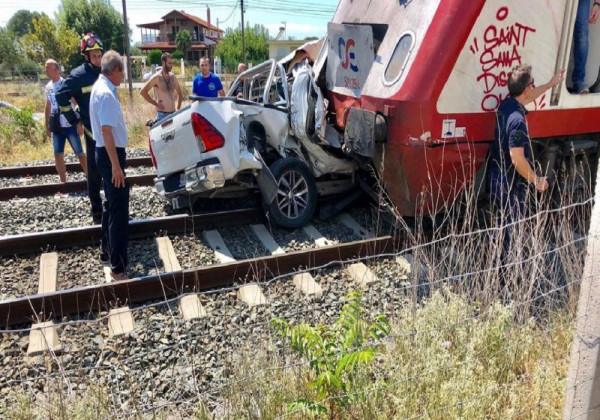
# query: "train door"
583 75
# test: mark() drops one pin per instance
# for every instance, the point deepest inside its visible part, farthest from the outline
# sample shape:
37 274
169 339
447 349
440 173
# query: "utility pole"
127 52
243 35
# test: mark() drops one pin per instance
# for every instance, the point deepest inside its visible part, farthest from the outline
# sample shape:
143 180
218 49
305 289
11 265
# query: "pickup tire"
296 198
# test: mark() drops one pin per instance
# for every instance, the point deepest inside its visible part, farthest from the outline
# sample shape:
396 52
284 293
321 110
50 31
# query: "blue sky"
302 18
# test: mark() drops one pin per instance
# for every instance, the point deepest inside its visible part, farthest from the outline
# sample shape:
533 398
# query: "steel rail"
29 191
83 300
138 229
17 171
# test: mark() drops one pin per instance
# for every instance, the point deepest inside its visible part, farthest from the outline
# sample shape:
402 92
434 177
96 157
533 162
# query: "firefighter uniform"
79 86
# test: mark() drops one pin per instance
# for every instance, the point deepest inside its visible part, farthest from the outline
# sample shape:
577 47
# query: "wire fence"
475 332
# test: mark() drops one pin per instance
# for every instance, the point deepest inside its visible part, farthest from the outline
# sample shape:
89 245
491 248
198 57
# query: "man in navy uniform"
79 86
511 169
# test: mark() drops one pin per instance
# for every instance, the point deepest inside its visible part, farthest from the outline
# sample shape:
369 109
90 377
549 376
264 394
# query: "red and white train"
414 85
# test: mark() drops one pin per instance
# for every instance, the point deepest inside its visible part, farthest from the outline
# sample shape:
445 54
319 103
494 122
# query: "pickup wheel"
296 198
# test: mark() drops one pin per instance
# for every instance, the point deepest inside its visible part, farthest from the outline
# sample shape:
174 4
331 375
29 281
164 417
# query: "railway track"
36 189
29 191
89 235
185 325
50 169
174 280
82 300
168 335
200 276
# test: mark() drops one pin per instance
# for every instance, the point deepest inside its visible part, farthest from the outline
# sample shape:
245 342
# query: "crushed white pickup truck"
411 89
271 137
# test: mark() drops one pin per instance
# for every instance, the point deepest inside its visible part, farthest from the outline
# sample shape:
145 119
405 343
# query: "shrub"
177 55
20 134
335 354
28 69
154 56
21 126
136 69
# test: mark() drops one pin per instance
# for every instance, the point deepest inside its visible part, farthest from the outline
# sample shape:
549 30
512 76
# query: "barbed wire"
539 292
480 315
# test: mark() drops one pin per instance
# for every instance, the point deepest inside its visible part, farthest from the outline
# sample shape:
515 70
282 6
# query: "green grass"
19 145
445 359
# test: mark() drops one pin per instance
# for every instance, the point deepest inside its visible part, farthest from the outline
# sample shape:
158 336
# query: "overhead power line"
231 14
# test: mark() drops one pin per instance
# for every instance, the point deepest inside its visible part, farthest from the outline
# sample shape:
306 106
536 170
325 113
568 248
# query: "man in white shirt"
57 126
110 135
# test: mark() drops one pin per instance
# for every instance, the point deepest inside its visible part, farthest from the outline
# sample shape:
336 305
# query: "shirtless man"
165 84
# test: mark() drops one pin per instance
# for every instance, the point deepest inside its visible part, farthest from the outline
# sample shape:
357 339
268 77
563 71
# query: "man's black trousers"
94 180
115 215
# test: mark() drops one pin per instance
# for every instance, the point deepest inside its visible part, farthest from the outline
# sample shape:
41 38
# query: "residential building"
280 48
161 35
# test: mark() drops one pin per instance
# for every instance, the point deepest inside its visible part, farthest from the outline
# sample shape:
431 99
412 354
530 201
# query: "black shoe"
97 218
105 260
119 276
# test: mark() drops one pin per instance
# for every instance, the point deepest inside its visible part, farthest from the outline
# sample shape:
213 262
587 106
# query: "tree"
230 47
21 23
97 16
48 41
135 50
183 40
8 48
9 55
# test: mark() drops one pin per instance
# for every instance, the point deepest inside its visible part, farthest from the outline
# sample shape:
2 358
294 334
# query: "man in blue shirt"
511 159
110 133
206 83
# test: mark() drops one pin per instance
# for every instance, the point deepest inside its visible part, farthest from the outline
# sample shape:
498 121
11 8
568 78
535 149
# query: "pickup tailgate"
174 143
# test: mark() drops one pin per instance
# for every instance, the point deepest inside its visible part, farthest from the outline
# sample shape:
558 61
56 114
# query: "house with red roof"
161 35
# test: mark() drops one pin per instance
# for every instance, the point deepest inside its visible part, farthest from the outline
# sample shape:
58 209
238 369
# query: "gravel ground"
167 360
70 210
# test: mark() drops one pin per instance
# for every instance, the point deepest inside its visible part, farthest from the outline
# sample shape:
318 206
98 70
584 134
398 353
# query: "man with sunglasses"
79 87
511 159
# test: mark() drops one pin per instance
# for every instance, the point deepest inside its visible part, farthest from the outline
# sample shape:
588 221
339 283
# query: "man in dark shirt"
79 86
511 160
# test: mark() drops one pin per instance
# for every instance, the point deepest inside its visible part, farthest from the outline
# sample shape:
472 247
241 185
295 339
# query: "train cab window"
399 58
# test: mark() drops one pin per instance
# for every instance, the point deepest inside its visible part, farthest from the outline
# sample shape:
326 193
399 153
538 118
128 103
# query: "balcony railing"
170 39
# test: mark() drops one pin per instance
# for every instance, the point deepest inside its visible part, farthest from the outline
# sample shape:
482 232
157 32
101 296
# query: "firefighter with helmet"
78 85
